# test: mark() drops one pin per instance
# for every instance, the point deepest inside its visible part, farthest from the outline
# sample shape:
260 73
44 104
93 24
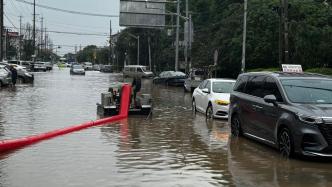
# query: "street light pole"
244 36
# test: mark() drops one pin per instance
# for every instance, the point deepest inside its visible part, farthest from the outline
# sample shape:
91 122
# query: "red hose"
8 145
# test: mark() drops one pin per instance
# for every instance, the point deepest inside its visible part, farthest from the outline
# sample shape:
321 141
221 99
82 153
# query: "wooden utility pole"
1 30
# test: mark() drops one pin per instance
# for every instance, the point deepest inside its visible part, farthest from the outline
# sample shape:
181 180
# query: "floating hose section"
9 145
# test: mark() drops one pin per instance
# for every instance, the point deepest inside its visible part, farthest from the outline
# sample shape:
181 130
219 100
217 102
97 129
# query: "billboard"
142 13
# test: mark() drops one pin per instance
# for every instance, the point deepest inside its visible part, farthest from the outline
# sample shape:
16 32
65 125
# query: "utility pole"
281 14
137 50
177 36
149 46
1 30
110 52
244 37
34 30
20 42
187 42
45 38
6 44
286 31
41 35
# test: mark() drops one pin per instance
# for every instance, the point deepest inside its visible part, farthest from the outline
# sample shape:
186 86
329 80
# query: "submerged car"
172 78
39 66
5 76
289 111
212 97
77 69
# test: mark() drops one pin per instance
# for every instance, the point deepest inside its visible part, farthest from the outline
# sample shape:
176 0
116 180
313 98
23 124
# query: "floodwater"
174 147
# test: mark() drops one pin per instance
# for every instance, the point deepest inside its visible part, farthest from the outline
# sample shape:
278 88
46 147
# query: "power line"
67 11
72 33
10 21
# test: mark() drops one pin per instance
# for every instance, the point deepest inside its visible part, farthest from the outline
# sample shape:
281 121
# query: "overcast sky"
59 21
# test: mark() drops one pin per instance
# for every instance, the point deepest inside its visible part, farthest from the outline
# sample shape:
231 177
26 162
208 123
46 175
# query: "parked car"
5 76
23 74
137 71
77 69
106 68
289 111
87 66
196 76
172 78
39 66
211 97
96 67
49 66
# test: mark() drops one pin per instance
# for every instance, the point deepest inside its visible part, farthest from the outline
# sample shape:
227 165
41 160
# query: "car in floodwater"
196 76
88 66
137 71
211 97
5 76
23 74
49 66
289 111
39 66
77 69
171 78
106 68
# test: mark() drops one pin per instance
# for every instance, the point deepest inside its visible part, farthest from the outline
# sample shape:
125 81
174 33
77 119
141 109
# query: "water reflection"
252 164
172 148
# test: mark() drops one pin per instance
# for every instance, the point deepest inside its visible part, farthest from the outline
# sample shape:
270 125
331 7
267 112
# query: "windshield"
77 67
308 91
222 87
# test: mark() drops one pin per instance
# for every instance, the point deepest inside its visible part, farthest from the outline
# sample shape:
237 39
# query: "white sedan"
212 97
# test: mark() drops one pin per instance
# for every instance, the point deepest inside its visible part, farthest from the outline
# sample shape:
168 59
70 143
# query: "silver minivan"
137 71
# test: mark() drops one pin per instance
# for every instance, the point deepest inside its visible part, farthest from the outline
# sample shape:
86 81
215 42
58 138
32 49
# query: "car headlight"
310 119
221 102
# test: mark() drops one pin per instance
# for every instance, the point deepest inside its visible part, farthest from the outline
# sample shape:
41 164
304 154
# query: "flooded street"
174 147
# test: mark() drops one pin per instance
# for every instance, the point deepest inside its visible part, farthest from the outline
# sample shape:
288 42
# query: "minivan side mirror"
270 99
205 90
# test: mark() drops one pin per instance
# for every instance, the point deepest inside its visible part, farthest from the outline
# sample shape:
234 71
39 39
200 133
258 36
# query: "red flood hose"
9 145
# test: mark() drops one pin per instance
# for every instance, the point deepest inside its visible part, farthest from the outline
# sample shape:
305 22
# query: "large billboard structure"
142 13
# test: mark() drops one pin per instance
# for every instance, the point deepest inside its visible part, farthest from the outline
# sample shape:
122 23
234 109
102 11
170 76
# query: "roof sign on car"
292 68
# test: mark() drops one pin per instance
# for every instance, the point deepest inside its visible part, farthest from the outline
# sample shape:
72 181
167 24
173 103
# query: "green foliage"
219 25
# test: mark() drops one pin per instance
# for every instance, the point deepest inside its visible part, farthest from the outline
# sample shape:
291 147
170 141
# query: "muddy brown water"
173 148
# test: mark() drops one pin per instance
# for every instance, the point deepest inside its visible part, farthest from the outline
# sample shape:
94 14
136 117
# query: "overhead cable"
68 11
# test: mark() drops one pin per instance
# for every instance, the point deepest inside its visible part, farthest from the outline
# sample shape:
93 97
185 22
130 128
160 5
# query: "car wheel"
194 109
285 142
209 112
236 126
1 84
